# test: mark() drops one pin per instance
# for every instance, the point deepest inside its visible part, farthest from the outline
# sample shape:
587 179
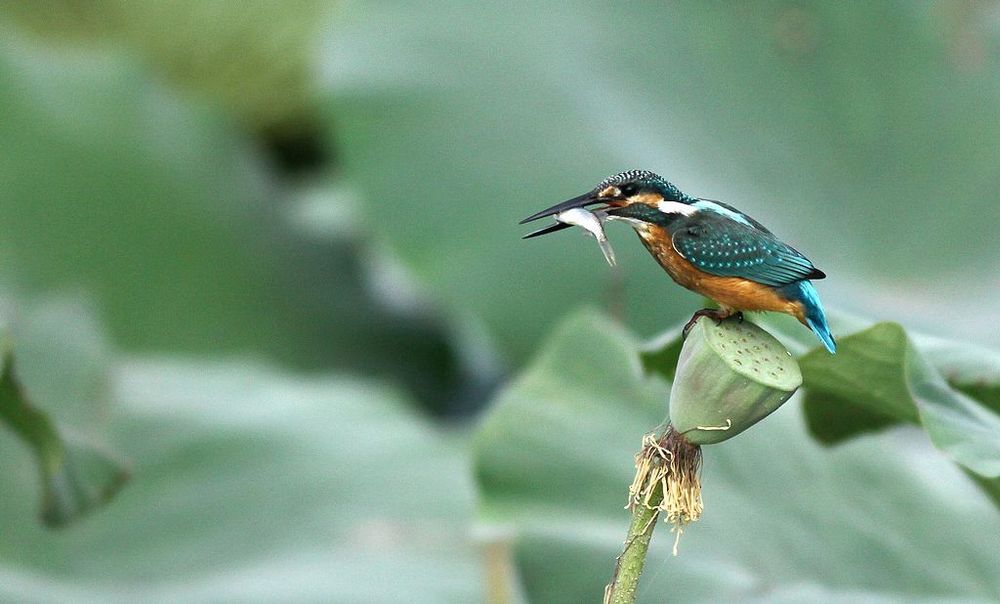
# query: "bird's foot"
712 313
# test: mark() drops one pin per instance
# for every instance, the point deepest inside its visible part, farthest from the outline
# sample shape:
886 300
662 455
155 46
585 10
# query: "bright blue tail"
815 317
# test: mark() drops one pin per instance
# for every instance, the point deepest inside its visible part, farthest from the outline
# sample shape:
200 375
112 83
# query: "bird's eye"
629 189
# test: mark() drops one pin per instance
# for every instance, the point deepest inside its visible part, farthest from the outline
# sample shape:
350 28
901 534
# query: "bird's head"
638 196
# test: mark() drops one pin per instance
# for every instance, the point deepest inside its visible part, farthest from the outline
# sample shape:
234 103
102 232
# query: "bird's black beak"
577 202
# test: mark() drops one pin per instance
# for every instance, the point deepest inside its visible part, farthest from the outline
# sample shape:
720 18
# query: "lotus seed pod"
729 377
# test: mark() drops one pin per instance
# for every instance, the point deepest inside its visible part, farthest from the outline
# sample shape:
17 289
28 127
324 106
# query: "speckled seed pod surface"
729 377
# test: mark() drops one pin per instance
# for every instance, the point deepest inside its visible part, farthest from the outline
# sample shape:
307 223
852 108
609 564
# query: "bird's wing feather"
721 246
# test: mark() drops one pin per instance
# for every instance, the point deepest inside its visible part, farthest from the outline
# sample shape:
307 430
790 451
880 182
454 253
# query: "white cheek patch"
676 207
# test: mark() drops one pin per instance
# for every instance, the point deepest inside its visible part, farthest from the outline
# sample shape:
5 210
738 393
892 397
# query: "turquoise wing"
722 246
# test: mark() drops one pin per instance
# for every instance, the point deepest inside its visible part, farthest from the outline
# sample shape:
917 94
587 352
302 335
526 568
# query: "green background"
266 256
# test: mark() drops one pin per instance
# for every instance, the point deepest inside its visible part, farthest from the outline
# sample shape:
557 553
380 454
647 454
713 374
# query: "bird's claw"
689 325
712 313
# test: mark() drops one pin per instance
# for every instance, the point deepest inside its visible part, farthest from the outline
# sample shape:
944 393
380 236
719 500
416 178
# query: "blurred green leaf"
254 485
832 420
870 369
582 377
77 475
972 369
148 203
456 121
785 519
64 361
252 58
156 207
880 372
661 354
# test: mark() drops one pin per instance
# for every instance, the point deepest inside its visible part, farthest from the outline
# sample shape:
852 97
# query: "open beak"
552 228
577 202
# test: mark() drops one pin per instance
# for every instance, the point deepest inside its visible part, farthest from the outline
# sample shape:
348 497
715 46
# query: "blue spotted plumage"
711 248
718 244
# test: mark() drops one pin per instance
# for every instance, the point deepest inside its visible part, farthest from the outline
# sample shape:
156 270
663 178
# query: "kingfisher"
706 246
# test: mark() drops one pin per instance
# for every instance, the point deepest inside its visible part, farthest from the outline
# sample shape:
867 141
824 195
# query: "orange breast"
734 293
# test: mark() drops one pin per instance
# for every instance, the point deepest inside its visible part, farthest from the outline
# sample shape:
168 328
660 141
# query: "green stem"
76 475
623 584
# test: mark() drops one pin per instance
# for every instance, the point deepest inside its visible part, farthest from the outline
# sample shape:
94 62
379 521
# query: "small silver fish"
592 223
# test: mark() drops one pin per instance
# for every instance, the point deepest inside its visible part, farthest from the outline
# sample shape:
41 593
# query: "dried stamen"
667 479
